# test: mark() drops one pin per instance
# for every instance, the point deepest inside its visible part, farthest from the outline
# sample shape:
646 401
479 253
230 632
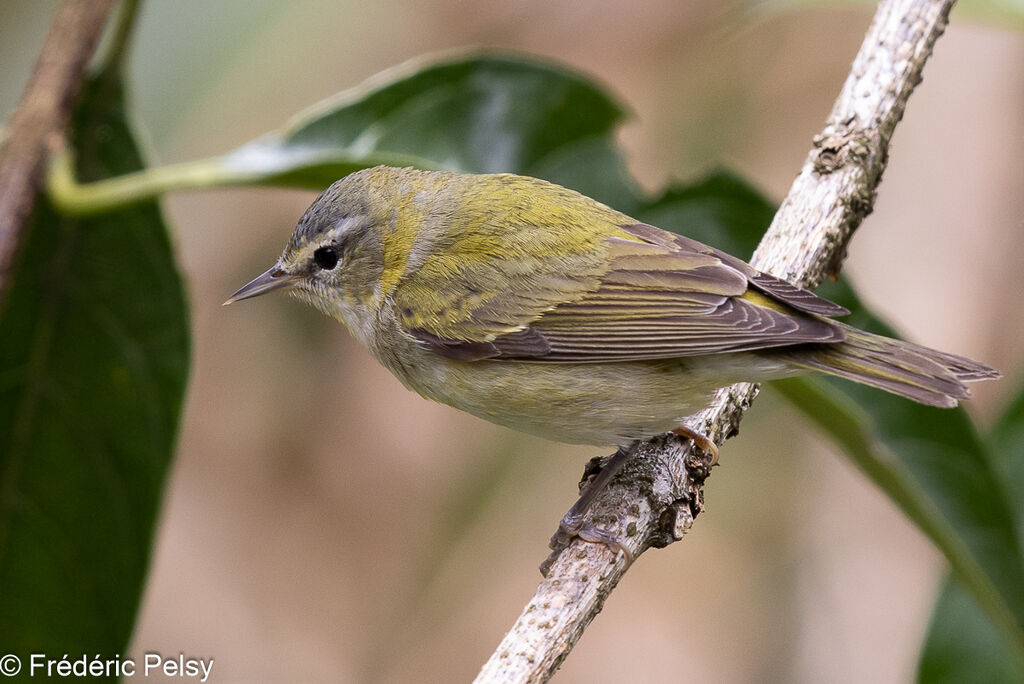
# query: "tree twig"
655 498
36 126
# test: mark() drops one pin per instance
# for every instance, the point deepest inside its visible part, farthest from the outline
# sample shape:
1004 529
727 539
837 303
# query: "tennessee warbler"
535 307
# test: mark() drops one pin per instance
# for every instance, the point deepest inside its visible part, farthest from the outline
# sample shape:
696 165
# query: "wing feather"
661 296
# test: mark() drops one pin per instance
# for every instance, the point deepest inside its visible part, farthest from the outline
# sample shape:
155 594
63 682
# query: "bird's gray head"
334 258
355 241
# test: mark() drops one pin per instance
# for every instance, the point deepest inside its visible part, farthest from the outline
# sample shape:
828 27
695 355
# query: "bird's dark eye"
326 258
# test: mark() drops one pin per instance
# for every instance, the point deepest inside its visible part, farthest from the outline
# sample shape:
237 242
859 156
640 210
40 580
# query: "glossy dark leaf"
720 210
933 465
93 365
1007 440
963 645
479 113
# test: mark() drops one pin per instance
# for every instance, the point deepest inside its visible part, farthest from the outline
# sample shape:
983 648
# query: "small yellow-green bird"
535 307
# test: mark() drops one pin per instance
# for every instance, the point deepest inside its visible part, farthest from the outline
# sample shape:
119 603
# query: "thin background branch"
655 498
36 126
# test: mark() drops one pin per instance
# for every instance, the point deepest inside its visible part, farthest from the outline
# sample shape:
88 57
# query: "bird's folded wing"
784 291
663 297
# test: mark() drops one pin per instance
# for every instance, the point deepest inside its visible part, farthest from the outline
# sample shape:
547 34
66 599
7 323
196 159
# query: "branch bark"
660 491
36 126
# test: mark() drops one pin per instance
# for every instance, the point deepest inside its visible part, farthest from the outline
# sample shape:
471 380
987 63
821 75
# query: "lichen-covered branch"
655 498
35 128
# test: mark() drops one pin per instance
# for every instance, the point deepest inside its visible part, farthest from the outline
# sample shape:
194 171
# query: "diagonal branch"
36 125
655 498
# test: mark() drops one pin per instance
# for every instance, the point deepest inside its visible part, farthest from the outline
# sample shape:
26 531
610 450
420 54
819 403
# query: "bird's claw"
571 527
700 441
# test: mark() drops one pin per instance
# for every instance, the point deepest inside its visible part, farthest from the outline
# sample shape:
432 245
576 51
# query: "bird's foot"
574 524
570 528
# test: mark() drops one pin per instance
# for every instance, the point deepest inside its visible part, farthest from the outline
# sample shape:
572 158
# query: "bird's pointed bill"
271 279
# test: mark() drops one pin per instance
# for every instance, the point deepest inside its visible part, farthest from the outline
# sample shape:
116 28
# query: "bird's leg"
572 523
702 442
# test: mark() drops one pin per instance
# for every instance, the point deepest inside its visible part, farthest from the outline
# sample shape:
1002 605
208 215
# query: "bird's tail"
925 375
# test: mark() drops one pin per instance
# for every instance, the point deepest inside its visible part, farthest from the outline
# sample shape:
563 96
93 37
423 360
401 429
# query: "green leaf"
721 210
1007 440
963 645
480 114
93 366
935 468
486 114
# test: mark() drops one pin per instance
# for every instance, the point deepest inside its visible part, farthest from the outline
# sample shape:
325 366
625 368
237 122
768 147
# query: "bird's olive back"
392 229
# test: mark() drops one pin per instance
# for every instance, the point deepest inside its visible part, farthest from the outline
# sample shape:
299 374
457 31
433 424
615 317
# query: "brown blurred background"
323 524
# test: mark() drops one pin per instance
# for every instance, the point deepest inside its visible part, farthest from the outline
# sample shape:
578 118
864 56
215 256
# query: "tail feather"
927 376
